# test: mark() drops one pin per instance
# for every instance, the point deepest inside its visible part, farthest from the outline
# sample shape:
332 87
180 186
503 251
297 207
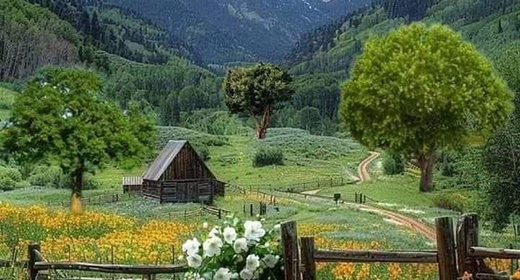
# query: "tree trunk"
426 163
263 125
77 185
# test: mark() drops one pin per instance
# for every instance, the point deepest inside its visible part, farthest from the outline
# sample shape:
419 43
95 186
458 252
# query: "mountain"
31 37
492 25
36 33
226 31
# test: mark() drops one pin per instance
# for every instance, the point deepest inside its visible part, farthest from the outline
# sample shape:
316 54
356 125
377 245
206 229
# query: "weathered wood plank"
111 268
484 276
290 251
375 256
495 253
309 264
446 249
467 237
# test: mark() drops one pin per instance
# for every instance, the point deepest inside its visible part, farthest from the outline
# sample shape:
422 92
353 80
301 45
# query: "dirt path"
312 192
404 220
363 167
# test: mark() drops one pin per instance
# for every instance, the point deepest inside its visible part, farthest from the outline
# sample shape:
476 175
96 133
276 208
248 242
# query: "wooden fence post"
33 258
446 249
290 251
309 264
251 209
467 237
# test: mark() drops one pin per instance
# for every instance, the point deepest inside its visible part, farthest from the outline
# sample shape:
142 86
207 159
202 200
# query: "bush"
268 156
46 176
449 202
9 178
393 164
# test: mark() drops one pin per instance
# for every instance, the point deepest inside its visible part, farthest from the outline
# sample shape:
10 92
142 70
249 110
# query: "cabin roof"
165 158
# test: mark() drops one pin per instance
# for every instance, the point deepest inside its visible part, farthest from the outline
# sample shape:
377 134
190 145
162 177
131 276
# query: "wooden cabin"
179 174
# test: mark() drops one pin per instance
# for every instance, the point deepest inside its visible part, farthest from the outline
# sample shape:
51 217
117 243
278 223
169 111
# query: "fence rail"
218 212
300 256
95 200
453 261
38 263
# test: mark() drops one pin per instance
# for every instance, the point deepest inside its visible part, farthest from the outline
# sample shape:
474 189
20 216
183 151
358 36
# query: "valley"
364 122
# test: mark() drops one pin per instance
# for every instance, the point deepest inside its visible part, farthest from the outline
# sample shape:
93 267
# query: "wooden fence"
457 253
218 212
94 200
37 263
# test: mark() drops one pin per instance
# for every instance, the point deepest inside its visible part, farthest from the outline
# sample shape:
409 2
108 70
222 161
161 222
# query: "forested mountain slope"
140 62
35 33
237 30
492 25
31 37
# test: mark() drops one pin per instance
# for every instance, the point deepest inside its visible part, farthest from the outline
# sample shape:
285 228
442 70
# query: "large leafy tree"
60 118
257 90
421 89
502 151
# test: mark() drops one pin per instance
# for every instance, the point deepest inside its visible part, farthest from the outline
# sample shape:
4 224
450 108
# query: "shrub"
268 156
449 202
393 164
9 177
46 176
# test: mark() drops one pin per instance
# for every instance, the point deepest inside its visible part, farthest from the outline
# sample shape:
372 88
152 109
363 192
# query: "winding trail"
363 174
404 220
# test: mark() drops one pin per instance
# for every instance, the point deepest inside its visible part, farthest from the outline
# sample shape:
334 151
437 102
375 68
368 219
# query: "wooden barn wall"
152 189
187 165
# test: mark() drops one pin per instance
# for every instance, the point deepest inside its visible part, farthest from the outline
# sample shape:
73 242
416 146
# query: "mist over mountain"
226 31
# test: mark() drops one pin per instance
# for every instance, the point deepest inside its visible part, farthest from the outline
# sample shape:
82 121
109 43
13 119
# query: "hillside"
61 33
236 30
33 37
491 25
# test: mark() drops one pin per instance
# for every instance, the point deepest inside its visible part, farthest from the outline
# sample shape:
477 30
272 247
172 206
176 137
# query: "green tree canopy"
257 90
421 89
59 117
502 151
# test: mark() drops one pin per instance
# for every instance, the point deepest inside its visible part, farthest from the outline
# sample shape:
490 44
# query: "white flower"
191 247
214 231
222 274
194 261
271 260
205 225
212 246
246 274
252 262
230 235
253 230
240 245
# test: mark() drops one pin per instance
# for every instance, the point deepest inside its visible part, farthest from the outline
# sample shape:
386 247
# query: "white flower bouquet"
235 250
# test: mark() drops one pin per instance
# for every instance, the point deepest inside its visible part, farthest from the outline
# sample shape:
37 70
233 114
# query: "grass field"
306 158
